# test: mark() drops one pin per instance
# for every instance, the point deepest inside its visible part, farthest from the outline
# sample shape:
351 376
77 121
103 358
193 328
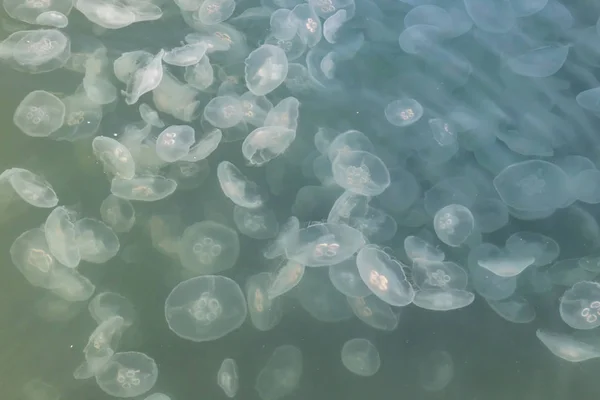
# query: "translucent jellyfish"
265 69
568 272
284 114
420 39
227 377
428 274
286 232
580 305
265 313
539 63
442 299
127 374
496 17
384 276
146 77
589 99
403 112
205 308
346 279
542 248
208 247
96 241
374 312
117 213
52 308
174 142
285 279
70 285
238 188
456 190
256 223
31 255
532 185
361 357
568 347
115 157
324 244
224 111
282 26
205 146
143 188
309 28
348 207
150 116
418 248
214 12
189 175
100 347
37 51
265 143
586 186
200 75
429 14
436 370
32 188
294 48
453 224
30 11
491 214
110 14
186 55
333 24
361 172
61 236
485 282
55 19
39 114
281 375
320 299
82 118
504 263
107 305
515 309
256 108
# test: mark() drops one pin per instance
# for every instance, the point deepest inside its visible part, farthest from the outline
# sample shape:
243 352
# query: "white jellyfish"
127 374
361 357
281 375
228 378
39 114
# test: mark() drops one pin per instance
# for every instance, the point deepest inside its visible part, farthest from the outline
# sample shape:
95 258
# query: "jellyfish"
265 312
361 357
117 213
115 157
97 243
227 377
208 247
127 374
265 69
61 236
281 375
39 114
174 142
454 224
143 188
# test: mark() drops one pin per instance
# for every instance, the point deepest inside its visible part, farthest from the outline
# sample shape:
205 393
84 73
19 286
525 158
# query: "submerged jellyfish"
384 276
39 114
265 69
361 357
174 142
361 172
97 243
374 312
107 305
117 213
436 370
115 157
286 278
100 347
265 312
265 143
580 305
32 188
345 277
127 374
239 189
568 347
453 224
208 247
281 375
403 112
61 236
143 188
205 308
227 377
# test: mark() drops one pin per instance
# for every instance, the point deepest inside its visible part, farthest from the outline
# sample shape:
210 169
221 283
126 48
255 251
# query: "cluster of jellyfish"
374 156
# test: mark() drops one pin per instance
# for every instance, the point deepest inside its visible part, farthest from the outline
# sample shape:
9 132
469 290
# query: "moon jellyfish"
495 17
430 274
30 11
586 186
70 285
418 248
212 12
568 347
31 255
442 299
265 143
96 241
374 312
37 51
485 282
384 276
115 157
361 172
265 69
360 357
55 19
456 190
265 312
539 63
205 308
227 377
320 299
30 187
542 248
503 263
515 309
237 187
143 188
186 55
61 236
324 244
453 224
491 214
174 142
208 247
345 277
287 277
127 374
436 370
580 305
117 213
39 114
145 78
286 232
205 146
82 118
403 112
284 114
589 99
281 375
150 116
224 111
532 185
107 305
